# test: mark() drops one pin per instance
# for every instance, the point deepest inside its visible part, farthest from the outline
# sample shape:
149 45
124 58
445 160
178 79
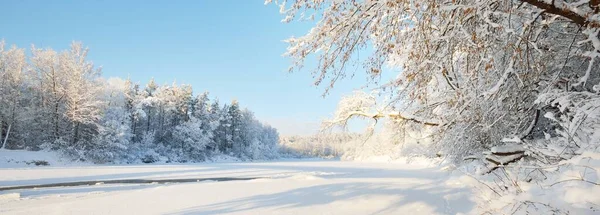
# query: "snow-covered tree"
193 139
215 122
200 106
235 128
465 65
51 87
58 100
12 84
149 104
81 91
113 138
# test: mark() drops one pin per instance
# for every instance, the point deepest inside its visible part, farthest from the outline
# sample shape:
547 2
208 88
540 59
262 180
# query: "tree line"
59 101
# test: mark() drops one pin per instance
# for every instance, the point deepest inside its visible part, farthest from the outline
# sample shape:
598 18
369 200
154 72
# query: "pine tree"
234 117
62 103
149 103
214 123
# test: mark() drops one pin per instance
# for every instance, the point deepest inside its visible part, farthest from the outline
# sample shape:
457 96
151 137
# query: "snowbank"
570 187
21 158
6 197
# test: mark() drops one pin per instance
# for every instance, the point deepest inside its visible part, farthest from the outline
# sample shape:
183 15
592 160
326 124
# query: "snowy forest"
58 100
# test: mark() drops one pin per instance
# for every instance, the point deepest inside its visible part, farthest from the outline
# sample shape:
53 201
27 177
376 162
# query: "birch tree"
82 91
12 83
51 88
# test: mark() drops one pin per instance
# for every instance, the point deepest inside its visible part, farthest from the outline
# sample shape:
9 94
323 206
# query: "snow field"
286 187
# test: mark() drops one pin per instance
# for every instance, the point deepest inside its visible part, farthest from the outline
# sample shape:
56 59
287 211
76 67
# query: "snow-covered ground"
284 187
20 158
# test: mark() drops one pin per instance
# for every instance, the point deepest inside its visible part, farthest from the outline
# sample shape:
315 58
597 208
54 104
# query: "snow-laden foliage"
472 69
58 101
192 138
325 145
474 75
578 116
390 143
113 138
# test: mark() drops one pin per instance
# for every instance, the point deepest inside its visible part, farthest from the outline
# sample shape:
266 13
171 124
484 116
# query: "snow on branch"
562 9
508 149
579 115
592 34
363 105
505 154
457 64
502 160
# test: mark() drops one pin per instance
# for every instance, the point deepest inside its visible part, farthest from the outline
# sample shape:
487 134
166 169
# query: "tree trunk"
56 136
76 132
133 126
161 118
595 4
564 12
148 122
1 126
12 120
6 137
56 103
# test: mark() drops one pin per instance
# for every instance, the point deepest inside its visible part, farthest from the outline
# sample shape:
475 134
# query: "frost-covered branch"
363 105
561 8
483 63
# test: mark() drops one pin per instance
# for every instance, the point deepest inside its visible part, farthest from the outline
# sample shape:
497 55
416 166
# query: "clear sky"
230 48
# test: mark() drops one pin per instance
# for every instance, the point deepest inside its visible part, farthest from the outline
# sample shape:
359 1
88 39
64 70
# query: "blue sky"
230 48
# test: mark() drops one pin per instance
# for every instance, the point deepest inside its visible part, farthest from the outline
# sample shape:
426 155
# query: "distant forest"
59 101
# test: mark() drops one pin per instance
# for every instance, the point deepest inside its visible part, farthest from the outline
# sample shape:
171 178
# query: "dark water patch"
125 181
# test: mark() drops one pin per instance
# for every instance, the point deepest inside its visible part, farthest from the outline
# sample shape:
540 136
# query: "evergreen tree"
234 117
62 103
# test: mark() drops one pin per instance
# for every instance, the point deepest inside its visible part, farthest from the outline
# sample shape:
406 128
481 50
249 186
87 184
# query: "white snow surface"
19 158
285 187
510 148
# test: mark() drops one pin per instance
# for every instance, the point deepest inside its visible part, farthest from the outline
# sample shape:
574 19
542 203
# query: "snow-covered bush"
75 152
113 138
144 151
192 139
578 116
